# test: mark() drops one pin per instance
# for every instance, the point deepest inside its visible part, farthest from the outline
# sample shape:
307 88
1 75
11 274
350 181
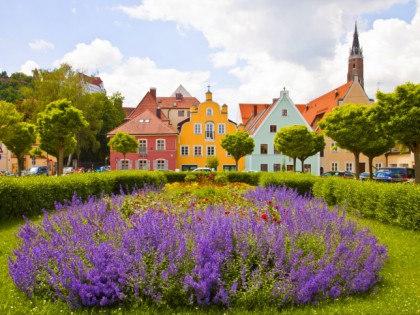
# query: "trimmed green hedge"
29 195
397 204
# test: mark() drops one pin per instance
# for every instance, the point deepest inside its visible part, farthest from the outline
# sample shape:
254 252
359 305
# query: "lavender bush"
269 246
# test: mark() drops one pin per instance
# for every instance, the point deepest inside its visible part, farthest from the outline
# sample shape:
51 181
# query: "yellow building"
200 137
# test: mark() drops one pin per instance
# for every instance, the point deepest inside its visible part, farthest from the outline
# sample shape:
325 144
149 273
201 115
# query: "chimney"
153 92
178 96
336 93
255 111
158 112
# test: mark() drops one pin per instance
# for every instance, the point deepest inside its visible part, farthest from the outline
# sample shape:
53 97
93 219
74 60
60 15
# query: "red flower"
264 216
276 207
227 212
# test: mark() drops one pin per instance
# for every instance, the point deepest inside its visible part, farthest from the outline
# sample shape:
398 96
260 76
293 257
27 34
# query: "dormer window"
209 111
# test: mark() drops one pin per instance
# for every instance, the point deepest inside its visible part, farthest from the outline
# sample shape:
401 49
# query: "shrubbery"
270 247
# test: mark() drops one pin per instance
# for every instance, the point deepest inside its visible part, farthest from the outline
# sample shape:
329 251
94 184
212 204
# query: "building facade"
201 134
262 122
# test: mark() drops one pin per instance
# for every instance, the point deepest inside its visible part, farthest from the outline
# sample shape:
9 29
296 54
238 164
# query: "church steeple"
355 65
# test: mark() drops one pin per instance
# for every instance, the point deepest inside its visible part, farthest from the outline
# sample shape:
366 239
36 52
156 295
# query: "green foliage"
221 178
172 177
212 162
298 142
20 141
124 143
57 127
250 178
238 145
13 89
303 183
30 194
191 178
395 204
8 117
399 113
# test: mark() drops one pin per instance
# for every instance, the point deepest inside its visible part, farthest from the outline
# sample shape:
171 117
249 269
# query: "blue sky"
246 50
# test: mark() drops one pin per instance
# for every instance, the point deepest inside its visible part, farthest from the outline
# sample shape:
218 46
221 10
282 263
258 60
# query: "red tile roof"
147 103
184 102
325 103
247 111
128 110
146 123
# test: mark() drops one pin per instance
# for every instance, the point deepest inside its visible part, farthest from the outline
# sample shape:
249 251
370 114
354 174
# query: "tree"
212 162
297 142
347 124
123 143
57 127
13 89
20 141
399 113
380 140
315 144
8 117
238 145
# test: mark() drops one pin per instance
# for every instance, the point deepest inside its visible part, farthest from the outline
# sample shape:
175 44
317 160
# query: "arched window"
209 111
209 131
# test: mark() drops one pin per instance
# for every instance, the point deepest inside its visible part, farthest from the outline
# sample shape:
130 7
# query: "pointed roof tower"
355 65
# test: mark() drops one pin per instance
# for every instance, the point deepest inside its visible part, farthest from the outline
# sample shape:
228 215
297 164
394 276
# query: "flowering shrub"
268 246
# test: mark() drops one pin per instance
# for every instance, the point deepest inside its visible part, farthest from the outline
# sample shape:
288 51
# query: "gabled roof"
325 103
146 123
147 103
128 110
249 111
181 90
173 102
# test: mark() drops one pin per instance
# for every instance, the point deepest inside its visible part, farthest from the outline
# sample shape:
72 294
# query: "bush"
276 248
303 183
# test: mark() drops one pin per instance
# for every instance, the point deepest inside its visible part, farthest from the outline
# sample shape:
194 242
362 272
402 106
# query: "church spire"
355 49
355 65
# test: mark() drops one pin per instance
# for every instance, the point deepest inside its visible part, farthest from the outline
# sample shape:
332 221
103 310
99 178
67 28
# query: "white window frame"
160 144
142 147
161 164
335 166
211 148
209 131
197 129
198 149
209 111
221 129
349 166
143 164
184 150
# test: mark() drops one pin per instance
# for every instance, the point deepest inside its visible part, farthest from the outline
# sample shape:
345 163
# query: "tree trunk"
20 165
122 164
60 161
370 167
356 161
303 165
417 163
294 165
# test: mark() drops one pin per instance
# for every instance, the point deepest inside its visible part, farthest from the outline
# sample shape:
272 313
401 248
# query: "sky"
247 51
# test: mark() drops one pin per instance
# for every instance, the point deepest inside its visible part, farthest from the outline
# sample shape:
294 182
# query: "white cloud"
28 66
99 54
135 76
40 44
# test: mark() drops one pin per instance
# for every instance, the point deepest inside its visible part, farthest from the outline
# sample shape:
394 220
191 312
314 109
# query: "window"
197 129
334 147
197 151
273 128
209 131
209 111
142 147
321 153
378 165
143 164
284 112
276 167
160 144
161 165
211 150
275 150
334 166
181 113
264 167
124 164
263 149
349 167
222 129
185 150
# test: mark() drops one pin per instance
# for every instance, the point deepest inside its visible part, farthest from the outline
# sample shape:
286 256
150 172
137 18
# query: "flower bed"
268 246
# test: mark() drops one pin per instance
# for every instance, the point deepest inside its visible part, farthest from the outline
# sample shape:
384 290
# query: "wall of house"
191 141
150 155
264 135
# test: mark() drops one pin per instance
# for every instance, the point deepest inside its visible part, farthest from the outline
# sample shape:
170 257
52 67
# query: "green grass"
397 293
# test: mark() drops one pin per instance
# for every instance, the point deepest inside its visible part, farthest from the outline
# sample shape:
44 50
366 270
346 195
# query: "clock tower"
355 65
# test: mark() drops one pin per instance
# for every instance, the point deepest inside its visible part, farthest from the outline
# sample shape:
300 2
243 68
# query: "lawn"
397 293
